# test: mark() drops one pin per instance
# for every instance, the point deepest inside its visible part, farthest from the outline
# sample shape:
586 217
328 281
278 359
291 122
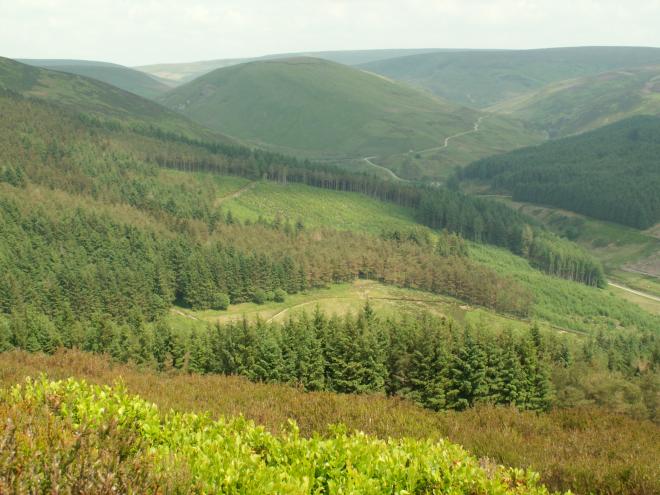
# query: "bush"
225 456
259 296
279 295
220 301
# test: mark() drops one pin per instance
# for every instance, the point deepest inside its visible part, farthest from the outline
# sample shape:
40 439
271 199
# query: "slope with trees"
611 173
122 77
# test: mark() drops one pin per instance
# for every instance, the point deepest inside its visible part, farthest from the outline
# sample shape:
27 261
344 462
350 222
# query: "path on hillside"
459 134
475 128
384 169
235 194
636 292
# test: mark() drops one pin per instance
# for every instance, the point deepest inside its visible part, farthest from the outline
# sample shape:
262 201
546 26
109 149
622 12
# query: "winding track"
636 292
367 159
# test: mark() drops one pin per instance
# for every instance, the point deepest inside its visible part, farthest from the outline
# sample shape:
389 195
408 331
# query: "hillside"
607 452
94 98
322 109
578 105
122 77
181 73
319 107
481 78
129 446
611 173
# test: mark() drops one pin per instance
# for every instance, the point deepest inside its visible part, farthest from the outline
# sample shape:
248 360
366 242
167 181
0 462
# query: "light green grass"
342 299
319 208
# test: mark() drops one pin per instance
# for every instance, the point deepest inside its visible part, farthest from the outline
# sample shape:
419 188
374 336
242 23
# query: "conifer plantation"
299 322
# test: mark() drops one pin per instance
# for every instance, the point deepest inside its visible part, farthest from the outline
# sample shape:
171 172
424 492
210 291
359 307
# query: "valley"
332 272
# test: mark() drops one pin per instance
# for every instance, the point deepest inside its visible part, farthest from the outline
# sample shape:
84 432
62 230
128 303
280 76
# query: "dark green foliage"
427 360
611 173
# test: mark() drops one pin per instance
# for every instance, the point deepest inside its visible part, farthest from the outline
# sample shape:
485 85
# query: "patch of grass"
341 299
319 208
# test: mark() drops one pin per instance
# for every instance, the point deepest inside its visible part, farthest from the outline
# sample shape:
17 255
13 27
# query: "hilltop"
317 108
122 77
482 78
183 72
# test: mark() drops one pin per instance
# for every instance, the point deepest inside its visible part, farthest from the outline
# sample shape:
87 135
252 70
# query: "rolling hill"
578 105
482 78
122 77
611 173
180 73
321 109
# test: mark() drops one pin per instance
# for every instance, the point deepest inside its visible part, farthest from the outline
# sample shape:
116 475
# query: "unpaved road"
235 194
475 128
384 169
636 292
447 139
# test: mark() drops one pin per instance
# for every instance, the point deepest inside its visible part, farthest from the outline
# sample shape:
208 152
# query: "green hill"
578 105
482 78
122 77
91 97
318 108
612 173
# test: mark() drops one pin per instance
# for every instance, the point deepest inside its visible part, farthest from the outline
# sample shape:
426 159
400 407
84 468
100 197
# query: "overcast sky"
136 32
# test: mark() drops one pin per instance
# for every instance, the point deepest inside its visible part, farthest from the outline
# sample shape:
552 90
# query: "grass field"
341 299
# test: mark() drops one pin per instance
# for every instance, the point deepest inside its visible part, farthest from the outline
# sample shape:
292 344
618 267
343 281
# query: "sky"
139 32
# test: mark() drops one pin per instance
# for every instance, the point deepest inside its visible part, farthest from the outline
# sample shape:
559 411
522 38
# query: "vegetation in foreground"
586 450
101 439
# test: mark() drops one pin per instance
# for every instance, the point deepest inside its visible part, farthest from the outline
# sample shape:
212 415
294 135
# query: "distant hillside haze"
480 78
92 97
577 105
132 80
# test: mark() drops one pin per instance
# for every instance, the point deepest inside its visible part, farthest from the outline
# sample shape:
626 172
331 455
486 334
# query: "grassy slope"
317 106
558 302
122 77
94 97
320 108
483 78
578 105
584 450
